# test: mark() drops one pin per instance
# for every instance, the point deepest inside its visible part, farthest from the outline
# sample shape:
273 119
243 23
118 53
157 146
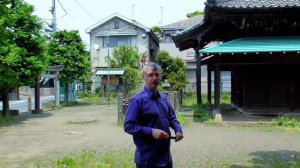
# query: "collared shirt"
146 111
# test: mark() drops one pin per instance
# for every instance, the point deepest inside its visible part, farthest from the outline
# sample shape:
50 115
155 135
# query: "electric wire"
66 13
86 11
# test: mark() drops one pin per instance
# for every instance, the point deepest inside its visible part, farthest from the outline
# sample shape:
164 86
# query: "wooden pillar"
209 68
198 77
292 96
217 88
37 96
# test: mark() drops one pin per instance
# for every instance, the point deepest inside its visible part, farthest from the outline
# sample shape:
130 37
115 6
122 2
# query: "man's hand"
159 134
179 136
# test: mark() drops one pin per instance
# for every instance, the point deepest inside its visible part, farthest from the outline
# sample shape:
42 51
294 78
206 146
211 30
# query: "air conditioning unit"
96 47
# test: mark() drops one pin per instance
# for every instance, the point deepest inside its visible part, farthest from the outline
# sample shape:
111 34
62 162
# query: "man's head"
152 75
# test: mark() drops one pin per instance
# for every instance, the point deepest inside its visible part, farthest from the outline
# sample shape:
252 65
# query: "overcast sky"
81 14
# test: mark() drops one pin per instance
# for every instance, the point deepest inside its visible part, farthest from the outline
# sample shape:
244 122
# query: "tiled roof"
252 4
190 29
184 23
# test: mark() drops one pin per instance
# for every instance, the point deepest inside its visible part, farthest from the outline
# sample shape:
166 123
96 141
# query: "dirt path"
48 134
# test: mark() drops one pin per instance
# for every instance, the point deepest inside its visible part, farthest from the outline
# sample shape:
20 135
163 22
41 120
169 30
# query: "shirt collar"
150 94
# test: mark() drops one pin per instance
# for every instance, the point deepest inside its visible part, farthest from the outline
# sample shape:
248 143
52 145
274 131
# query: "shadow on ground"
273 159
19 120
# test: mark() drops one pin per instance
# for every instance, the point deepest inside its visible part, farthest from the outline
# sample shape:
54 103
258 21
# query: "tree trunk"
5 103
66 97
126 89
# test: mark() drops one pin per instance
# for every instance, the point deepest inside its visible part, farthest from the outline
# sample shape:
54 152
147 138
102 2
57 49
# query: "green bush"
200 114
180 118
284 121
91 159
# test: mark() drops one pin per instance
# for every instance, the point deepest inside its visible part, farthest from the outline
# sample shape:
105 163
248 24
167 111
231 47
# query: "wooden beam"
198 77
209 68
217 88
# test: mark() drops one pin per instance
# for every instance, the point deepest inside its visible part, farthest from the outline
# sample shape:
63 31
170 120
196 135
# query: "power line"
86 11
66 13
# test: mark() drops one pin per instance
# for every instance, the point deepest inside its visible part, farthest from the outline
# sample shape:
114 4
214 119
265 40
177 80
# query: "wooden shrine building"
260 45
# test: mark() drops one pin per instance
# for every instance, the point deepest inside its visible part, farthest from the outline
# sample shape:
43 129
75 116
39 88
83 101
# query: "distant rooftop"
252 4
184 23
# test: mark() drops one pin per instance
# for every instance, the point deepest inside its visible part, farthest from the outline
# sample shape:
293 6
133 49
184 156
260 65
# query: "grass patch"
200 114
82 121
190 99
8 119
91 159
180 118
284 121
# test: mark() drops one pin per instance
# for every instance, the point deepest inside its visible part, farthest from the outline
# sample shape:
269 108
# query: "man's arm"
131 123
174 124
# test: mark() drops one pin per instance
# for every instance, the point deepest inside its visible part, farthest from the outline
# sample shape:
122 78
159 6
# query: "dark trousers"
143 166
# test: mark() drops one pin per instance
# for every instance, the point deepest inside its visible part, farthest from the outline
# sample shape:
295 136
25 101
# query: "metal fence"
191 87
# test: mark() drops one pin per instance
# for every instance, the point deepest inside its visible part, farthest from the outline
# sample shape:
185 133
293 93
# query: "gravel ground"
49 134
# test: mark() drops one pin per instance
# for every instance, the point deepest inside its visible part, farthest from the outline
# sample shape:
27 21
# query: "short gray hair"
153 66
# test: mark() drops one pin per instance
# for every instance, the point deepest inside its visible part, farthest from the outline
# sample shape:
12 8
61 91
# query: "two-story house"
188 55
112 32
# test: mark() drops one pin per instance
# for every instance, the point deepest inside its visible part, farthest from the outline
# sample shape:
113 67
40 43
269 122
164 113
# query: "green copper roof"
257 45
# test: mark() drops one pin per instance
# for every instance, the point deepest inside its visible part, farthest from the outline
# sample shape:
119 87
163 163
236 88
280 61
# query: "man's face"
151 78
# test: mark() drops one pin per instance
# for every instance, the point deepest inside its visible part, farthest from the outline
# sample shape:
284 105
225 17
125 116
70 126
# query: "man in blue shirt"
148 119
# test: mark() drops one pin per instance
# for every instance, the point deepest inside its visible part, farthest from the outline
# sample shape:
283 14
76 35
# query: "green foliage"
127 57
157 31
284 121
173 69
190 99
124 56
110 159
66 48
132 77
196 13
8 119
200 114
22 47
180 118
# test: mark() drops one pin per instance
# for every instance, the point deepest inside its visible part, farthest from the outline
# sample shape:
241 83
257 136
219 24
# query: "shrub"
284 121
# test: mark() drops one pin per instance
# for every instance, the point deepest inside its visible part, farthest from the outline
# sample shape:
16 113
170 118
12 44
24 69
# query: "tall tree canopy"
66 48
127 57
157 31
173 69
196 13
22 47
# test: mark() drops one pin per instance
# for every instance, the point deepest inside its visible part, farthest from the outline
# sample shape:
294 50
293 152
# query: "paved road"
47 135
22 105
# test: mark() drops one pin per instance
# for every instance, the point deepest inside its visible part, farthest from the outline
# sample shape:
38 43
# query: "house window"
116 41
116 25
191 54
168 39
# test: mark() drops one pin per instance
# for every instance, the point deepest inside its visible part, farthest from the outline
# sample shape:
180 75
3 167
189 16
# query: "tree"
173 69
22 47
66 48
196 13
124 56
157 31
127 57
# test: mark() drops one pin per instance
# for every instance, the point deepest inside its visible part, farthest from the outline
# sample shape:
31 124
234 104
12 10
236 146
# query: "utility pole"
54 28
161 16
108 62
132 12
37 94
53 12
